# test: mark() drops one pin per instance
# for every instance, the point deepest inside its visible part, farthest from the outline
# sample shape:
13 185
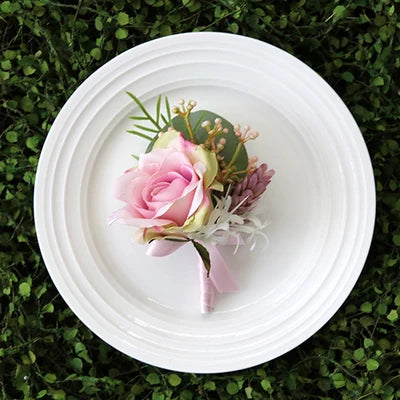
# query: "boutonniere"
194 184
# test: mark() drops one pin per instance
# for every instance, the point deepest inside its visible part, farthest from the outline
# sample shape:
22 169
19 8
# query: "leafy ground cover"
47 48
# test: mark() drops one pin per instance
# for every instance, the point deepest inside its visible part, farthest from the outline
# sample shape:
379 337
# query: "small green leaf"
123 18
266 384
210 386
27 104
359 354
29 70
98 23
366 307
10 54
153 378
232 388
32 143
50 378
378 81
48 308
249 392
338 380
41 394
393 316
4 75
372 364
96 53
174 380
234 27
12 136
121 33
6 65
396 239
70 334
25 289
165 30
338 13
76 363
348 76
59 395
32 356
368 343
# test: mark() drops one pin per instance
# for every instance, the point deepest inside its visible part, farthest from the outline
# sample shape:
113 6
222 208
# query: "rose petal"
179 210
130 216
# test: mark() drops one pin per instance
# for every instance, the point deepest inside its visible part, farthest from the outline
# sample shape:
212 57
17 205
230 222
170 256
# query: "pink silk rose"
168 193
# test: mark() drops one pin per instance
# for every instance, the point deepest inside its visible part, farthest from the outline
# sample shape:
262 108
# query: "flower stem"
235 155
189 126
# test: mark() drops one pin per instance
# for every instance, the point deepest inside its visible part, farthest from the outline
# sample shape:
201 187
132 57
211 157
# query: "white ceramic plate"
321 205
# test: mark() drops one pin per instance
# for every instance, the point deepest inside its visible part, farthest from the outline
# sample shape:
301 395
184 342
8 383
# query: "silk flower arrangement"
194 184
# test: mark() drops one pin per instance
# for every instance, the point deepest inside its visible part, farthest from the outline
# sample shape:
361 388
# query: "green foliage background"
47 48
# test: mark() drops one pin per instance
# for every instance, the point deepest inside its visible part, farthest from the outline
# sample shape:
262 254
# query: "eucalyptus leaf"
200 134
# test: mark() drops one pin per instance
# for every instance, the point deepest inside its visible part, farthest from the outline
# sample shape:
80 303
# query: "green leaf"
232 388
96 53
24 289
165 30
153 379
29 70
121 33
6 64
393 316
41 394
368 343
76 363
59 395
50 378
98 23
70 334
396 239
338 380
204 254
27 104
32 356
32 142
372 364
174 380
234 27
338 13
48 308
348 76
4 75
6 7
359 354
366 307
12 136
378 81
140 134
210 386
123 18
266 384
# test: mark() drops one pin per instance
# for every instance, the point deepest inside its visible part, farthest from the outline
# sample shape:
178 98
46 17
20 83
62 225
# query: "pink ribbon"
220 278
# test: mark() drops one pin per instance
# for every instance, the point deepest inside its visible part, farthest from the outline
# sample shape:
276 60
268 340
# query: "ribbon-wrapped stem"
219 278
